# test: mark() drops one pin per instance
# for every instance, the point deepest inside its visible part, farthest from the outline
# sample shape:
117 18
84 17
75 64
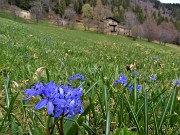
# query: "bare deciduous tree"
3 3
137 31
14 10
130 19
168 33
178 39
150 29
100 13
37 9
70 15
49 4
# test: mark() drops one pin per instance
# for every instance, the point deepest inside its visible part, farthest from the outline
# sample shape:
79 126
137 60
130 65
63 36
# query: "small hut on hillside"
123 30
113 27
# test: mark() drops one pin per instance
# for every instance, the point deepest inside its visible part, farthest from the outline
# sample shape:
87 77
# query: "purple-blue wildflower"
49 94
130 87
139 87
26 56
34 91
76 76
152 77
59 100
62 64
0 36
154 58
176 83
122 79
135 73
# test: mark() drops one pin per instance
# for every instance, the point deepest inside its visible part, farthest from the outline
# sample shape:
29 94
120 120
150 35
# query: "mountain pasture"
31 53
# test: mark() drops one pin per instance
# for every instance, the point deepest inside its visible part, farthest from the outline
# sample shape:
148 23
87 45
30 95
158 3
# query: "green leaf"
6 85
123 131
145 112
9 110
47 75
88 109
88 129
108 123
75 126
133 114
165 111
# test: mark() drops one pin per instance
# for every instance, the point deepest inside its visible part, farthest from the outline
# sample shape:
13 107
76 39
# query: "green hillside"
61 53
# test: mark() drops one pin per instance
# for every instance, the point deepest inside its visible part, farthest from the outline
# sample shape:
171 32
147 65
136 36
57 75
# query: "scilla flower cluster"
60 100
123 80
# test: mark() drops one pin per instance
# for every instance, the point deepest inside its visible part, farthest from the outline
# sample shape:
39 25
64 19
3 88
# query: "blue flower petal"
50 107
29 91
41 104
58 101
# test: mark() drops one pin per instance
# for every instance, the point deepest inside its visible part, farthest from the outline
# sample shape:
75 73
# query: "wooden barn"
113 27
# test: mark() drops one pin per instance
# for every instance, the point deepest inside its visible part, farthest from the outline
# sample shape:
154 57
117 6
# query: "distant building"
22 13
123 30
113 27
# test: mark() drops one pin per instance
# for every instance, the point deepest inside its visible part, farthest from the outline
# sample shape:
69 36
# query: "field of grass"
31 53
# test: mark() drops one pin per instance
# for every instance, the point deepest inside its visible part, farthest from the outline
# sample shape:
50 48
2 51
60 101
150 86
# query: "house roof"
113 19
123 26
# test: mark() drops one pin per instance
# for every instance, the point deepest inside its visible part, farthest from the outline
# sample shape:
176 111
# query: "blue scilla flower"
49 94
34 91
122 79
176 83
130 86
26 56
62 64
154 58
76 76
152 77
139 87
0 36
70 97
59 100
135 73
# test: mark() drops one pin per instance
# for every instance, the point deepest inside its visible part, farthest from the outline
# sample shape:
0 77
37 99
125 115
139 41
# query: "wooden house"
112 26
123 30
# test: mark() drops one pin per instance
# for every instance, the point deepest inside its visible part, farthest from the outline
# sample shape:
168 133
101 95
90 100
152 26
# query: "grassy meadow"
31 53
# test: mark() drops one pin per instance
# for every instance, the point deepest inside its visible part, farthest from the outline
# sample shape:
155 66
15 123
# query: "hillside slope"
32 53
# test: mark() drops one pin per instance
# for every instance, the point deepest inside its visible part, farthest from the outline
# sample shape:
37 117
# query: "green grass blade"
165 112
133 114
135 97
90 88
108 123
172 106
155 121
145 112
47 75
9 110
75 126
88 129
6 85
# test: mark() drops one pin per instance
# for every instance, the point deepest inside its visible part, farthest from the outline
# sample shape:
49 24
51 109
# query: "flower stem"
61 125
52 127
47 125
